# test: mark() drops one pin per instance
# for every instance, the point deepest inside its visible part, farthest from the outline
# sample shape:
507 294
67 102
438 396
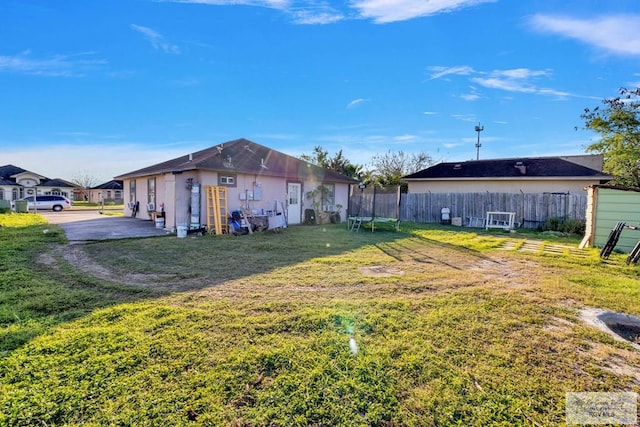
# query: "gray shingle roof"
114 184
243 156
57 182
547 167
7 171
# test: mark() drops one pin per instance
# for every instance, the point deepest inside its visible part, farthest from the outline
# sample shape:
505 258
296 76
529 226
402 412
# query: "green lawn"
107 209
315 326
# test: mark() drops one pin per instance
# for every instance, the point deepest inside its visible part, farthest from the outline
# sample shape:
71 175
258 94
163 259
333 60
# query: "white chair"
445 216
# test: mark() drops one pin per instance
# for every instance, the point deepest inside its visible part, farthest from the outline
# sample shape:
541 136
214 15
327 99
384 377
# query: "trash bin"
309 216
22 206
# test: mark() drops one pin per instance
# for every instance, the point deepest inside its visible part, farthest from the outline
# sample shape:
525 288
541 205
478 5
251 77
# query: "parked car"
55 203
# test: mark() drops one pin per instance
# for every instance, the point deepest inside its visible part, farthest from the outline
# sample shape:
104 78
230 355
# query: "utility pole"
478 145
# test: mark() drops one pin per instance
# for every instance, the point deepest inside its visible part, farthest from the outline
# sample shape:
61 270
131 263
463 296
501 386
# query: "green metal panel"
613 206
22 206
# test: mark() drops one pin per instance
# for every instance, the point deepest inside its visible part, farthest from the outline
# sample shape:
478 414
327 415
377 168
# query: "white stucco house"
16 183
107 192
257 179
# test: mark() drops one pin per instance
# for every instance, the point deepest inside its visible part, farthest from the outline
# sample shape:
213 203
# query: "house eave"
261 172
154 173
511 178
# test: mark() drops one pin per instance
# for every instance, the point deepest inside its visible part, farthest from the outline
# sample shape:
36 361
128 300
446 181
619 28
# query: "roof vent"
228 163
190 157
521 167
457 166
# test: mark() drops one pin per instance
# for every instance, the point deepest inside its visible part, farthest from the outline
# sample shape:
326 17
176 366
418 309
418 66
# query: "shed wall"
612 206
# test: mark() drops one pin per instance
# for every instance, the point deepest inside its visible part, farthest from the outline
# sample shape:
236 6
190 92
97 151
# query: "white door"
294 208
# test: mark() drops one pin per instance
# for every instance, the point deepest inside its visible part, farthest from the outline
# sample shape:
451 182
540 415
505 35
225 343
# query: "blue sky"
108 86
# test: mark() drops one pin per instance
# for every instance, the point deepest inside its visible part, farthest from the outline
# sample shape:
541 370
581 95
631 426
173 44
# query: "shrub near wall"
569 226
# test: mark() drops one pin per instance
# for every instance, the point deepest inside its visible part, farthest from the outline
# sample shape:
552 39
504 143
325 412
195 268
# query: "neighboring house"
57 186
256 177
16 183
519 175
606 206
108 192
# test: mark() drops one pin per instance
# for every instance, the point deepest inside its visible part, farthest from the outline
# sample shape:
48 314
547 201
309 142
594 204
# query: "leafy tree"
318 157
618 124
337 163
389 168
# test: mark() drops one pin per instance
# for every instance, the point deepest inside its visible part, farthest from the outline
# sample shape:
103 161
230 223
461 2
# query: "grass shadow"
45 281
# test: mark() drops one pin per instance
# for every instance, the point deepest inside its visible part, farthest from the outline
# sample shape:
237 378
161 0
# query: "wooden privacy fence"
531 210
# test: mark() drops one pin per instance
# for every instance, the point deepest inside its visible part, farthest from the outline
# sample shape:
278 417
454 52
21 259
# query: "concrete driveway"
90 225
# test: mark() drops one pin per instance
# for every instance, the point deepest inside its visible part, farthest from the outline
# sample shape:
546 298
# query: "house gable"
114 184
57 182
242 156
257 179
13 175
17 181
8 172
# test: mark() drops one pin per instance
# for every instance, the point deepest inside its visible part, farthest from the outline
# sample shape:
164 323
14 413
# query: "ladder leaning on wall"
217 209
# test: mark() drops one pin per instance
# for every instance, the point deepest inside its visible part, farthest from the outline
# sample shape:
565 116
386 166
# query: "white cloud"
465 117
75 65
523 80
521 73
510 85
307 17
356 102
615 34
314 13
470 97
405 138
439 71
384 11
559 93
273 4
430 113
302 13
518 80
321 12
452 144
156 39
